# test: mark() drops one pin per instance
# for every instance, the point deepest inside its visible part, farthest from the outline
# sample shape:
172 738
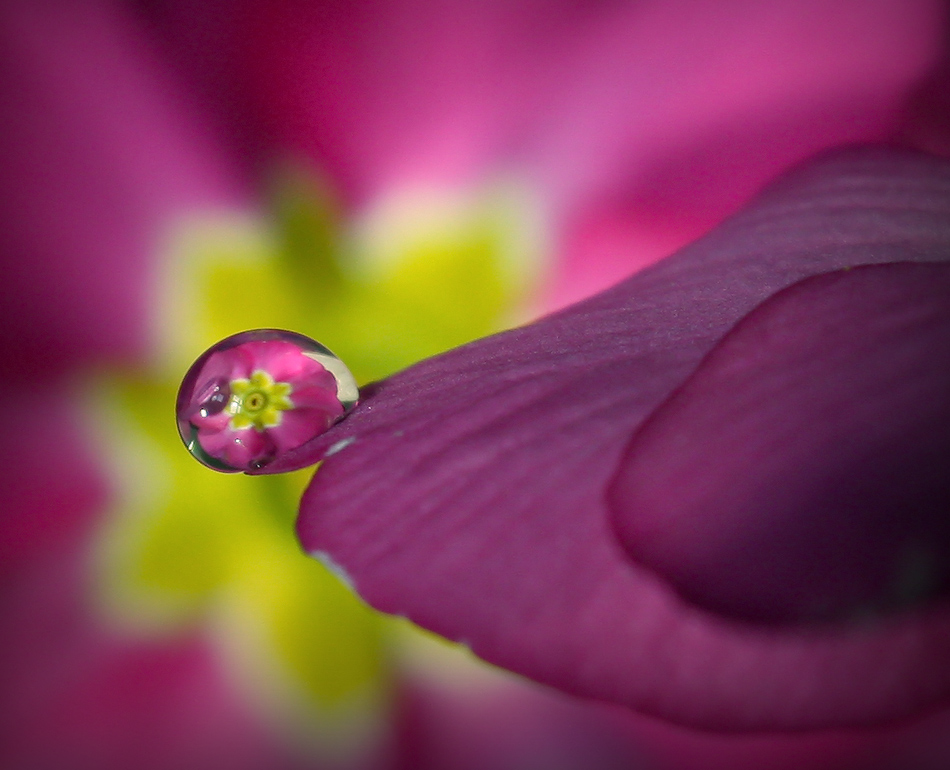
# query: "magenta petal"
589 100
298 426
320 392
803 471
316 408
283 361
213 423
468 492
230 364
237 448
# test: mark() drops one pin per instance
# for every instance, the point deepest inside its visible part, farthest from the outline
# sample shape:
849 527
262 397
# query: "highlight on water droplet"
259 394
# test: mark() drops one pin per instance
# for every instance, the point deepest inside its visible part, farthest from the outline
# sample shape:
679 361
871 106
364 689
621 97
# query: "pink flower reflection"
243 405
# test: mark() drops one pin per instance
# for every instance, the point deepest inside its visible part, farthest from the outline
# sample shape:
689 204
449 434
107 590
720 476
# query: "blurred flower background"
392 179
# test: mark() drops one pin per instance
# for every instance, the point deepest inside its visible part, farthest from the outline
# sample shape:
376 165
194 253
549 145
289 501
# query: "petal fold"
803 471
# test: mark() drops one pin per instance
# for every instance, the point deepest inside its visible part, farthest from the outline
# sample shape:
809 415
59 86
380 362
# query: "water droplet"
258 394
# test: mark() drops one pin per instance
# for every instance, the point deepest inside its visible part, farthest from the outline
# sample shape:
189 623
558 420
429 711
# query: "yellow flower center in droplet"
258 402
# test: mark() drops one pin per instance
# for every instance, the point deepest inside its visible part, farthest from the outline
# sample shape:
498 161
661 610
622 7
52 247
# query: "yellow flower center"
258 402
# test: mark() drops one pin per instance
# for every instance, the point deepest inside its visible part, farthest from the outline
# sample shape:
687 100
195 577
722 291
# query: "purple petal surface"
468 492
803 471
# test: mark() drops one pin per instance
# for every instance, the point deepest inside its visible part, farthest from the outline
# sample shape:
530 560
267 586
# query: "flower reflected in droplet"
254 375
258 402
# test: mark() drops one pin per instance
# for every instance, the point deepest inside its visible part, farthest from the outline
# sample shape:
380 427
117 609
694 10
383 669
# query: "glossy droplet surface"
257 394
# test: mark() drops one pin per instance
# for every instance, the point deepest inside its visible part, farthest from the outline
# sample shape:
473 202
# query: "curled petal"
469 491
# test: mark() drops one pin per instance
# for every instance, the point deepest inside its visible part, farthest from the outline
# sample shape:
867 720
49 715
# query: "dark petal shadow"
803 471
468 492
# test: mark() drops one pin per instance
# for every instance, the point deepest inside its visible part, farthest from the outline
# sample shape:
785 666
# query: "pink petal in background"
638 125
97 158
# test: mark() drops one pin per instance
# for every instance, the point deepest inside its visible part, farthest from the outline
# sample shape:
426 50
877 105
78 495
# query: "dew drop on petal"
256 395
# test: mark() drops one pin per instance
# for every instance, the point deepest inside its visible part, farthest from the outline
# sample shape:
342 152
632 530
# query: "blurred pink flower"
97 155
640 125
